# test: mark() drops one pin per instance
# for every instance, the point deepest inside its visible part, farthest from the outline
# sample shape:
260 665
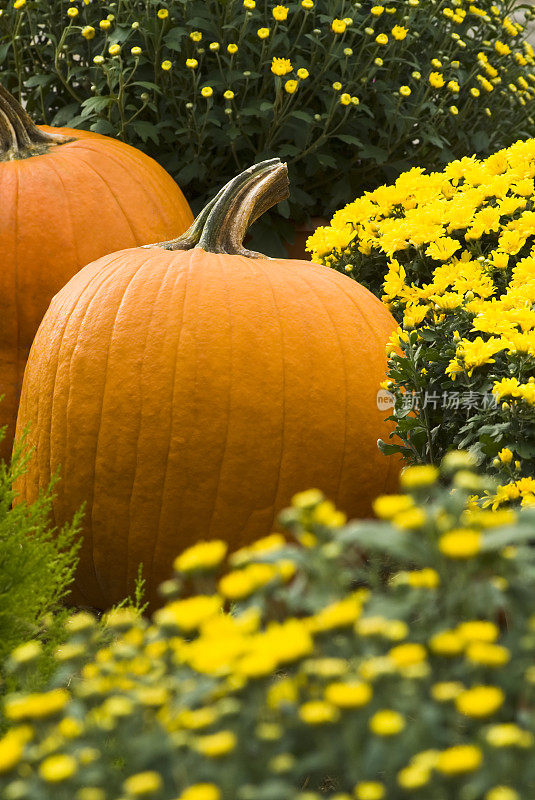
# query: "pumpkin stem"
222 224
19 136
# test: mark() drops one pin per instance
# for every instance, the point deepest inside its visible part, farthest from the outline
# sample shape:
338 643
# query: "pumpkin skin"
188 395
62 206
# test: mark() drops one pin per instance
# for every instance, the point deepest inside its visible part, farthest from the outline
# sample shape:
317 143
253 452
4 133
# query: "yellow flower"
446 690
19 4
478 630
459 759
426 578
88 32
307 4
386 722
195 36
228 95
502 49
262 33
90 793
345 99
143 783
191 63
114 49
203 555
399 32
338 26
318 712
207 91
280 13
104 24
163 13
479 701
98 60
508 735
418 477
190 613
72 12
290 87
502 793
12 747
404 91
490 655
249 4
348 695
446 643
443 249
412 519
36 706
281 66
388 506
70 727
369 790
461 543
382 38
505 455
405 655
436 79
25 653
337 86
339 614
377 10
57 768
413 777
214 46
201 791
217 744
232 48
135 51
302 73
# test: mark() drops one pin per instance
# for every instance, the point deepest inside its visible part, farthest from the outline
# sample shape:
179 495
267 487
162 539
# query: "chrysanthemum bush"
350 93
364 660
453 255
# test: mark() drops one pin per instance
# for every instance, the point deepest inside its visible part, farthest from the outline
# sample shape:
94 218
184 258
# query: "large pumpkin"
187 390
66 198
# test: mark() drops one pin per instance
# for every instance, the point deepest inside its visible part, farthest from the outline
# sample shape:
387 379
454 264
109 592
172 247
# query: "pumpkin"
187 390
66 198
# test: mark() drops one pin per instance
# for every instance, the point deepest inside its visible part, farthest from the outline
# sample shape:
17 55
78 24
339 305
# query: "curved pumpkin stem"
19 136
222 224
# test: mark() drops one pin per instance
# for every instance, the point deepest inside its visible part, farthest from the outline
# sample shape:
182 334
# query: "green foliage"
385 88
305 669
36 569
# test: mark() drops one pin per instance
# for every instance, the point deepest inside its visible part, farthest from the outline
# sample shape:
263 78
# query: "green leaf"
95 104
145 130
378 154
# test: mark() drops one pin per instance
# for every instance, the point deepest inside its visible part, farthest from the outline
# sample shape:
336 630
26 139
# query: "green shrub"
426 93
453 255
36 569
336 675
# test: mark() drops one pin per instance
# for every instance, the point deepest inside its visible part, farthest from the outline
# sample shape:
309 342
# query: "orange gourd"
66 198
188 390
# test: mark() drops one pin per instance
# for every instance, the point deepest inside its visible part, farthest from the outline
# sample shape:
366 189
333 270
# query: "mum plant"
350 94
302 669
452 253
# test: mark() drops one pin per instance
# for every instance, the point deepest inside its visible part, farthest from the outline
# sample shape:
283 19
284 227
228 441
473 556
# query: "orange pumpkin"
188 390
66 198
